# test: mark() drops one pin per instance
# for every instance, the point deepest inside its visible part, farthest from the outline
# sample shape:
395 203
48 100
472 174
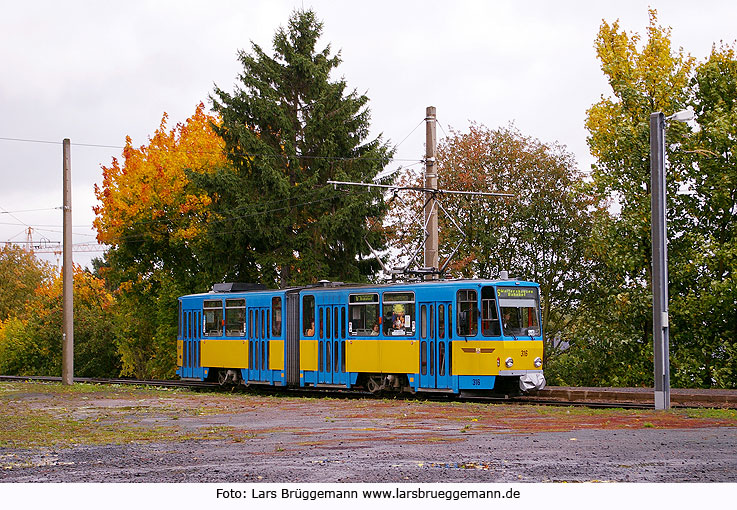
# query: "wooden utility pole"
67 351
431 182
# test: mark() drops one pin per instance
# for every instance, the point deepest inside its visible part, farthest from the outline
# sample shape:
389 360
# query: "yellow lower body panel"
481 357
308 355
224 353
276 354
180 352
383 356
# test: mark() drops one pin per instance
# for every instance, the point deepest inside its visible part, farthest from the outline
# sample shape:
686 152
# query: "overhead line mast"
431 183
431 268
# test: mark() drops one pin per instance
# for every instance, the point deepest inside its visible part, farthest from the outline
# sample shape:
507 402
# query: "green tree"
21 273
145 325
288 128
31 340
643 80
537 234
704 291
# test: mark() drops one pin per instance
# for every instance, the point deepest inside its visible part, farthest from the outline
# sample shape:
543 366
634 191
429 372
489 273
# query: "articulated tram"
436 336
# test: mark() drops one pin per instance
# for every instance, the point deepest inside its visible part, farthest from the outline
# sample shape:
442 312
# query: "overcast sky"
95 72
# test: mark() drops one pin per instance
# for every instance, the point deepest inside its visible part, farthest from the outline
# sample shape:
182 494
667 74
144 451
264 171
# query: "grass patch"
37 429
42 414
713 414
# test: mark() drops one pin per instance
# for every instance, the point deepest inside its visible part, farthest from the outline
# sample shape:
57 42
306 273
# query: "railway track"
625 398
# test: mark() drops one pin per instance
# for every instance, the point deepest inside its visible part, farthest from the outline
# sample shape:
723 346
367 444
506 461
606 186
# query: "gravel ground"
206 437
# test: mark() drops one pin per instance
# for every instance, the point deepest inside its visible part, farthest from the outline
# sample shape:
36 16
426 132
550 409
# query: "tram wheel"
374 384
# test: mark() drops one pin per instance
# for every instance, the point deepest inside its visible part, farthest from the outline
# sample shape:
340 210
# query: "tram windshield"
519 308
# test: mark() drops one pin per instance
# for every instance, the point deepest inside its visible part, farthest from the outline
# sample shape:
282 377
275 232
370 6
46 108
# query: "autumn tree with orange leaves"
153 218
149 213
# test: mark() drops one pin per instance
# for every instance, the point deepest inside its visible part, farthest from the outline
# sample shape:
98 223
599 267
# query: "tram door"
191 334
331 344
434 352
258 343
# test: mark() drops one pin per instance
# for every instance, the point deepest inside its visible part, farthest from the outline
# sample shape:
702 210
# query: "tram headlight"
509 362
538 362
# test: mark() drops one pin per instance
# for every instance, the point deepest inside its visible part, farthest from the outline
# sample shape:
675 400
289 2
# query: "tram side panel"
241 335
310 337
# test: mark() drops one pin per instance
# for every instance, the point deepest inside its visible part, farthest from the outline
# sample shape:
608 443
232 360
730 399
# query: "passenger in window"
311 330
388 324
507 320
375 329
398 318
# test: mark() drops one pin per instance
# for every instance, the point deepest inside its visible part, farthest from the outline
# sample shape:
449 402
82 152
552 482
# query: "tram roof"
324 286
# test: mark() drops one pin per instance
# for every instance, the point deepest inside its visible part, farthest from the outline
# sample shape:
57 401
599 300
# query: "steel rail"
685 400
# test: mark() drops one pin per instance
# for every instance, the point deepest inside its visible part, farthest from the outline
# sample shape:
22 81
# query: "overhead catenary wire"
133 238
32 210
235 153
413 162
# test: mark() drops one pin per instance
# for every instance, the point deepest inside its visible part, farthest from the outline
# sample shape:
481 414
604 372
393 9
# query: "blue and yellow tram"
442 335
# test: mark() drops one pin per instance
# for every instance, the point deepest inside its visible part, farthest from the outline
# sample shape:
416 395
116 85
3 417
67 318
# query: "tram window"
441 358
213 311
489 315
335 322
364 313
276 316
441 322
467 320
336 356
180 321
342 324
308 315
250 324
432 322
263 324
327 323
423 357
320 318
235 317
263 355
450 322
519 308
432 357
399 313
518 318
450 357
423 321
328 366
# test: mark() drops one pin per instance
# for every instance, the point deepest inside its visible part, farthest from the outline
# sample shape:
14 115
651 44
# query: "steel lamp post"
661 329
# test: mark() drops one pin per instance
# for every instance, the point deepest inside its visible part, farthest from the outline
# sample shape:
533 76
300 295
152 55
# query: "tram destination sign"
516 292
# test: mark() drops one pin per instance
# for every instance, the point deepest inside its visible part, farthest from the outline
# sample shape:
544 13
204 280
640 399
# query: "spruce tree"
288 128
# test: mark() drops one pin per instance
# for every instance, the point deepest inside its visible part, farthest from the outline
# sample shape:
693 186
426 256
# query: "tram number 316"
524 353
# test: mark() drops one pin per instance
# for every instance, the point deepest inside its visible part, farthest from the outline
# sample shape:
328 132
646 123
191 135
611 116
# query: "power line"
234 153
410 134
32 210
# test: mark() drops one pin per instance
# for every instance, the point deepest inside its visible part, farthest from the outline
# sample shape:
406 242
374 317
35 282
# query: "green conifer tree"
289 128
